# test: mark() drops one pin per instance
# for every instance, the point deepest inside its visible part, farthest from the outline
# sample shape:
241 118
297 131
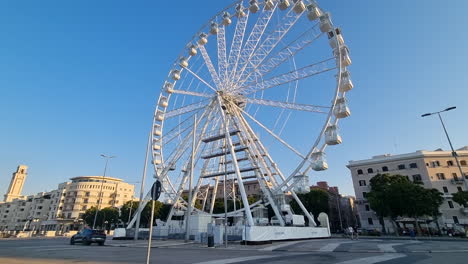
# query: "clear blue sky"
80 78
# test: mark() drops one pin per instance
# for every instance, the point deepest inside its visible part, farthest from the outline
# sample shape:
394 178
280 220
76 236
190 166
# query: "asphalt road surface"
330 251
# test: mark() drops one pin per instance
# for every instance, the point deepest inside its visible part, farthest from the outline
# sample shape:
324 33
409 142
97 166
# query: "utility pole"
454 153
100 191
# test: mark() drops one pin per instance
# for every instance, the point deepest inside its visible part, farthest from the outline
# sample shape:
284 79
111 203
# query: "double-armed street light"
100 191
454 153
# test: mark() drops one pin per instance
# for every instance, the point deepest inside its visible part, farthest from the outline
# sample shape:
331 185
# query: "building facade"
431 169
62 209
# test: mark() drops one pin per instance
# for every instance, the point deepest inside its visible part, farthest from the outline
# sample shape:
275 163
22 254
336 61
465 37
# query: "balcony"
447 196
456 181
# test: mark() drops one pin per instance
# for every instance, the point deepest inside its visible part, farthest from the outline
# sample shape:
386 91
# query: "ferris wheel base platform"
275 233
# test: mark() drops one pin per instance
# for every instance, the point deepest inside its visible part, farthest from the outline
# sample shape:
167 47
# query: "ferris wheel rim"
314 148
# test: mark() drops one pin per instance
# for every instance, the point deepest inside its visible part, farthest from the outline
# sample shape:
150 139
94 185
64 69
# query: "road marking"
274 247
332 246
235 260
389 247
55 249
374 259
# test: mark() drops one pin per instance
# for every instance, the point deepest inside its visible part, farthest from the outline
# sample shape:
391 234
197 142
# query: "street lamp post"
100 191
454 153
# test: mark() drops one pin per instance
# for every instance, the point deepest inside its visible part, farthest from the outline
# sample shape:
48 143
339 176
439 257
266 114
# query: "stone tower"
16 184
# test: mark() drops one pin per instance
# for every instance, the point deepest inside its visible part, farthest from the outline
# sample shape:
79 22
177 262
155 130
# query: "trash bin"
210 241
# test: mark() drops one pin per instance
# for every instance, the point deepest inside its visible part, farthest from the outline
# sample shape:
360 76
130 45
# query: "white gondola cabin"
159 115
284 4
240 11
183 62
269 5
325 23
345 58
319 162
346 84
203 39
169 87
313 12
253 6
226 19
156 145
163 102
335 38
192 50
299 6
341 109
214 28
157 130
175 75
332 136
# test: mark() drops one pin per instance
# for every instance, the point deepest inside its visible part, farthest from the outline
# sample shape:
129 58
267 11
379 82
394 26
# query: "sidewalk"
424 238
155 243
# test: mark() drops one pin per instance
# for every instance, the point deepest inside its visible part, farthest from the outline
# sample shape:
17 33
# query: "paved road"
329 251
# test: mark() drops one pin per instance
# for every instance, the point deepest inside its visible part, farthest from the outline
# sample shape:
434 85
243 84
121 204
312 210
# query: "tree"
109 214
395 196
145 215
461 198
315 201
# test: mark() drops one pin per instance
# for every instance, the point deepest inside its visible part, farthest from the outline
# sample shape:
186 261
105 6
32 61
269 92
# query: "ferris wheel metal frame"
225 138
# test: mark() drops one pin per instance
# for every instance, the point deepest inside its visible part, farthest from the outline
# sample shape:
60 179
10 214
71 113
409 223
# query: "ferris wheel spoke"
298 74
237 40
222 60
209 65
288 105
186 109
191 93
270 132
253 40
283 55
270 42
201 79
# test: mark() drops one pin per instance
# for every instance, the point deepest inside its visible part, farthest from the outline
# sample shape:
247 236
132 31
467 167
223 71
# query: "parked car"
88 236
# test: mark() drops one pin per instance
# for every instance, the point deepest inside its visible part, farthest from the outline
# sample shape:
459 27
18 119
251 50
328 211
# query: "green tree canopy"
109 214
315 201
145 215
461 198
395 196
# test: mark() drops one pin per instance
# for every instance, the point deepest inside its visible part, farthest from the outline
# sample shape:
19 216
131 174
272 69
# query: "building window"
413 165
367 207
384 168
463 162
359 172
440 176
455 219
445 189
364 194
85 200
450 203
370 170
459 189
87 194
362 183
401 167
449 163
435 163
417 178
84 208
370 221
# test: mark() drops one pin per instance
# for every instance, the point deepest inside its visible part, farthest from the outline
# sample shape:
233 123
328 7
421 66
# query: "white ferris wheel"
253 99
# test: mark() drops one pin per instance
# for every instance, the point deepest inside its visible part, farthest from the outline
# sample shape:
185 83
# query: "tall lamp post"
454 153
100 191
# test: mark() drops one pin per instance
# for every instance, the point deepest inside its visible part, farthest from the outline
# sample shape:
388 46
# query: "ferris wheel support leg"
213 195
245 201
260 178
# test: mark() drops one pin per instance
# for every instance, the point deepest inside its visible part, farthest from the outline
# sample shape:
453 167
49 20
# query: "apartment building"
62 209
431 169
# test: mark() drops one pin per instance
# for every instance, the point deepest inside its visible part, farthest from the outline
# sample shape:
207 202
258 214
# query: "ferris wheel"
253 100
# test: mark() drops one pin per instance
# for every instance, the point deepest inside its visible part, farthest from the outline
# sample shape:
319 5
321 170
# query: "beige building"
432 169
62 209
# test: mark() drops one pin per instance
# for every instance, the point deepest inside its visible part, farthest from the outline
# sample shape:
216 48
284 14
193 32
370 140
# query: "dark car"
88 236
